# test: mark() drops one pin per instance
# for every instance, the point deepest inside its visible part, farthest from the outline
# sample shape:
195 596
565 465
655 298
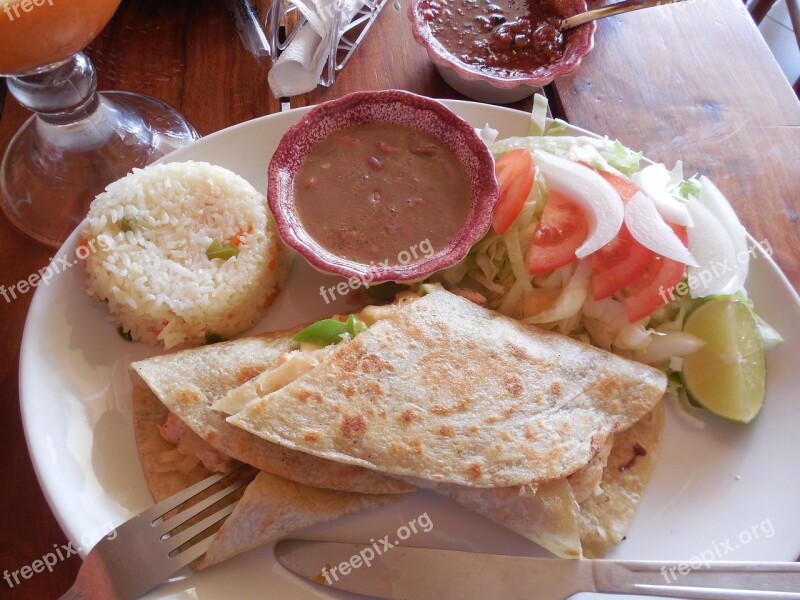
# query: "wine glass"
78 141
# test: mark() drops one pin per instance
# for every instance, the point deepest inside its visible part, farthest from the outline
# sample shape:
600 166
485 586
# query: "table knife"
410 573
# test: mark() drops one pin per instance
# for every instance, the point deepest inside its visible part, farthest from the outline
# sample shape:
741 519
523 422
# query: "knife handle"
700 580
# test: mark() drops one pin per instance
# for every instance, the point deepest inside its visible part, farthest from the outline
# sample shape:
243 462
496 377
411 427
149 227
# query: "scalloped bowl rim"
283 169
442 57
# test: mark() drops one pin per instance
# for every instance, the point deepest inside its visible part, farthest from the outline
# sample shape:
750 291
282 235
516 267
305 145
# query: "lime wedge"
727 376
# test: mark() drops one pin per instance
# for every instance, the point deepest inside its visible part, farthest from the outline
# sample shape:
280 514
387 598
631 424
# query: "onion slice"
597 198
487 134
669 345
648 228
654 180
723 265
714 200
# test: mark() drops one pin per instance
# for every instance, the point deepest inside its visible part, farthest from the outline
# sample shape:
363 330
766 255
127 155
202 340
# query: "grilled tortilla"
552 516
189 382
605 517
447 391
269 508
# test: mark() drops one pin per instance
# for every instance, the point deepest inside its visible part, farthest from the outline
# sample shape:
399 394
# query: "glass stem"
61 93
70 115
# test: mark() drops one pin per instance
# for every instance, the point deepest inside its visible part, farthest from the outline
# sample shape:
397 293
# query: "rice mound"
147 237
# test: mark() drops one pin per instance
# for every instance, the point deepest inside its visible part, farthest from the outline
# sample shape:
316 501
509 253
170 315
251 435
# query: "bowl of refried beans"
382 186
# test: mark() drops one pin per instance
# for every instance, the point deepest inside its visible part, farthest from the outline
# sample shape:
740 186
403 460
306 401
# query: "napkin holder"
284 20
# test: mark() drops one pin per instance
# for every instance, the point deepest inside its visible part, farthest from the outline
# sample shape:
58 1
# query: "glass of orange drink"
78 140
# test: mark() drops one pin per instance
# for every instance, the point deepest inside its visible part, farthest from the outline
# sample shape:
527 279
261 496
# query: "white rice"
157 280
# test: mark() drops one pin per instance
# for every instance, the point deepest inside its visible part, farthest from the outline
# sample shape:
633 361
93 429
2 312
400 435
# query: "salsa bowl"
382 186
462 69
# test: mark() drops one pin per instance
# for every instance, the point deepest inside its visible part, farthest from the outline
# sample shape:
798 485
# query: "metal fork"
148 548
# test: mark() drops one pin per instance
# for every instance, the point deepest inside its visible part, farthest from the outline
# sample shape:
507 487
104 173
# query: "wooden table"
693 81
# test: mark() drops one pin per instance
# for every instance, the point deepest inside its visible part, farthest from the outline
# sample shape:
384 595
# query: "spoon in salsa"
610 10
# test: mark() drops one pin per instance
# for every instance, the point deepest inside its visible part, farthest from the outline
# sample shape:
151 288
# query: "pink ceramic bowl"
385 106
477 84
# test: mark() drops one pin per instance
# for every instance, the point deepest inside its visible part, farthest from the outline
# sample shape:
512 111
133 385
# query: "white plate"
728 491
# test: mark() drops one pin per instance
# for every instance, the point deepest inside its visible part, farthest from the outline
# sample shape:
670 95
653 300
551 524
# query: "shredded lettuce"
613 153
558 127
570 301
538 115
689 188
517 259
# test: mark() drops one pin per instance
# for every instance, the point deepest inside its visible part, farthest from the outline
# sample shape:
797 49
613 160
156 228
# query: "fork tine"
176 541
168 504
192 553
184 515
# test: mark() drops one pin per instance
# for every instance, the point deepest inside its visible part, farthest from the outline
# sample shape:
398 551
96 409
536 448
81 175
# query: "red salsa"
507 38
382 193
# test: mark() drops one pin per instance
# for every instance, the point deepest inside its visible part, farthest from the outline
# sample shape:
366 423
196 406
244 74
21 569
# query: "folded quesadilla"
269 508
583 512
189 382
444 390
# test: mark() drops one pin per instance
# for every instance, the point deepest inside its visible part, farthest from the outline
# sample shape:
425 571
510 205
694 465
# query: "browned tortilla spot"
607 386
513 386
311 437
517 352
530 434
372 389
187 398
353 425
461 406
407 416
475 471
247 372
348 362
372 363
447 431
308 395
555 388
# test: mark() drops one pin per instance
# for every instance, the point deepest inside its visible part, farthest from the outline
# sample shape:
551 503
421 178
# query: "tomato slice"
623 259
560 231
624 186
618 263
514 171
654 286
